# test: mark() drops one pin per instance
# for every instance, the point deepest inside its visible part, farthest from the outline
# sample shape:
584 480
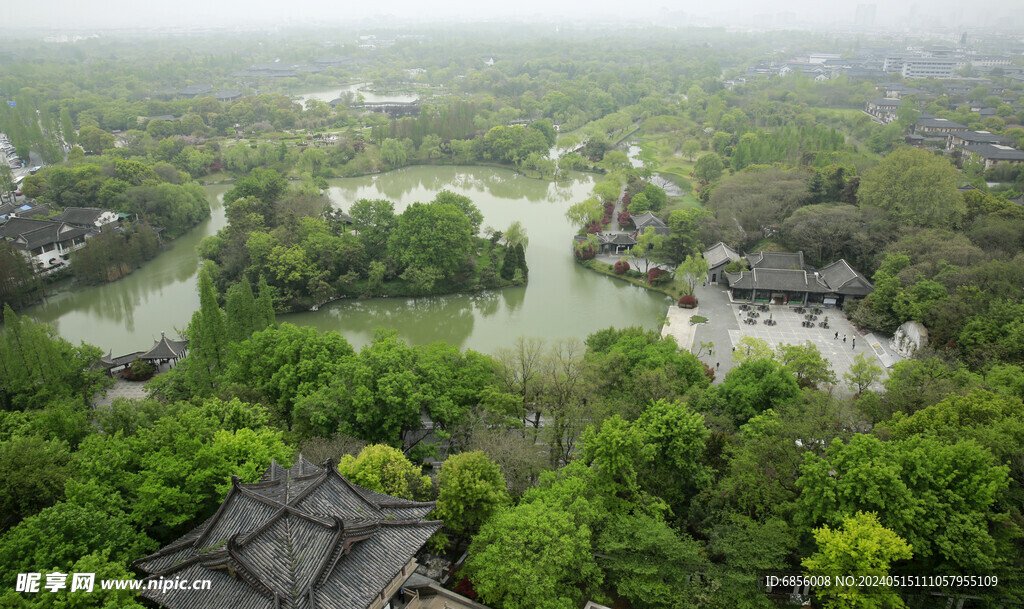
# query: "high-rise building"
865 15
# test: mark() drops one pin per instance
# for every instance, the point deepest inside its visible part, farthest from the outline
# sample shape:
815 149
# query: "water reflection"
562 299
411 184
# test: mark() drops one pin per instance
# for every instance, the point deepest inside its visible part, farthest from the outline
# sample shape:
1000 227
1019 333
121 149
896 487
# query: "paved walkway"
726 327
130 390
677 325
714 304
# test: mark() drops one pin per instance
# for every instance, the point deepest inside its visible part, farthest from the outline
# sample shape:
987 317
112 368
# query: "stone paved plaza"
726 327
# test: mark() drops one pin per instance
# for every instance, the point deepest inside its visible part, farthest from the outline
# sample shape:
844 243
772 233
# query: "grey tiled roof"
85 216
996 152
777 260
778 279
303 537
30 234
838 277
843 279
166 348
980 137
616 238
720 253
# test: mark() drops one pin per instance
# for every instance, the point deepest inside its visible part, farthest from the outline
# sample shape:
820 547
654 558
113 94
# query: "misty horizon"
898 15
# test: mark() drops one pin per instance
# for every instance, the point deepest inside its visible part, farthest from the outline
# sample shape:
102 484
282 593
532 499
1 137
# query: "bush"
621 267
697 319
625 221
657 275
585 252
688 301
139 370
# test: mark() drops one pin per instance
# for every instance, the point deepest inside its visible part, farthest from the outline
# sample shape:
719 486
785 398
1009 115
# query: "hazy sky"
176 13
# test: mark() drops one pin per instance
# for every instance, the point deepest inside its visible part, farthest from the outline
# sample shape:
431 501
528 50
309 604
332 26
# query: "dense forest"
614 467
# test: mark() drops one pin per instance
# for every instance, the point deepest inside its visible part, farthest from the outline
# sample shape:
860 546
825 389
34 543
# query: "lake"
561 300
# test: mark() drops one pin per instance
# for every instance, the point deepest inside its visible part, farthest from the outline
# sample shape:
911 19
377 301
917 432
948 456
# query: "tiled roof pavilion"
303 538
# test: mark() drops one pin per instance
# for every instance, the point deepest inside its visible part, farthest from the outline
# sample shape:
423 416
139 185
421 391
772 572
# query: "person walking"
844 339
837 335
854 343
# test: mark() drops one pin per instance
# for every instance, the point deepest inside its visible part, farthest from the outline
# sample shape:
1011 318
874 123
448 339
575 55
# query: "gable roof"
302 537
648 220
29 234
844 279
790 280
996 152
720 253
776 260
980 137
616 239
86 216
938 123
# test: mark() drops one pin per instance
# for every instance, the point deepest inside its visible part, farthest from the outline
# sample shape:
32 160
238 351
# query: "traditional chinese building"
782 278
304 538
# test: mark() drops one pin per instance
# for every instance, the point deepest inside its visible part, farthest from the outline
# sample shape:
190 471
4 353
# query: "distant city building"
994 154
865 15
884 109
920 66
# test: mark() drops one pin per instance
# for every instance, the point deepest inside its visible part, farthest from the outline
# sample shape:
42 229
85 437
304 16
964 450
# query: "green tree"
750 348
708 168
692 271
465 205
915 187
393 152
539 554
939 497
240 308
755 386
807 365
264 307
385 469
433 235
35 470
690 148
470 488
585 212
864 372
94 140
861 548
649 563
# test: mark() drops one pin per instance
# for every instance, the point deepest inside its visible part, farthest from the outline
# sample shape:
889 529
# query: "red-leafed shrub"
609 208
688 301
465 588
594 227
709 371
624 220
626 199
656 275
585 252
621 267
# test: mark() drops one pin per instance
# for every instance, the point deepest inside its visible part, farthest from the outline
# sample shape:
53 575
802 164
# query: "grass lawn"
769 245
673 287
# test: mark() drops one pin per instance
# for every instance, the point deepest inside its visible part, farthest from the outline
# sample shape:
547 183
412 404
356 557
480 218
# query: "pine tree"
521 260
264 307
241 311
509 264
210 337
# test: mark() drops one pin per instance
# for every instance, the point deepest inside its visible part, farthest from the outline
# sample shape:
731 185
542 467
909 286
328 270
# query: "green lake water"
561 299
